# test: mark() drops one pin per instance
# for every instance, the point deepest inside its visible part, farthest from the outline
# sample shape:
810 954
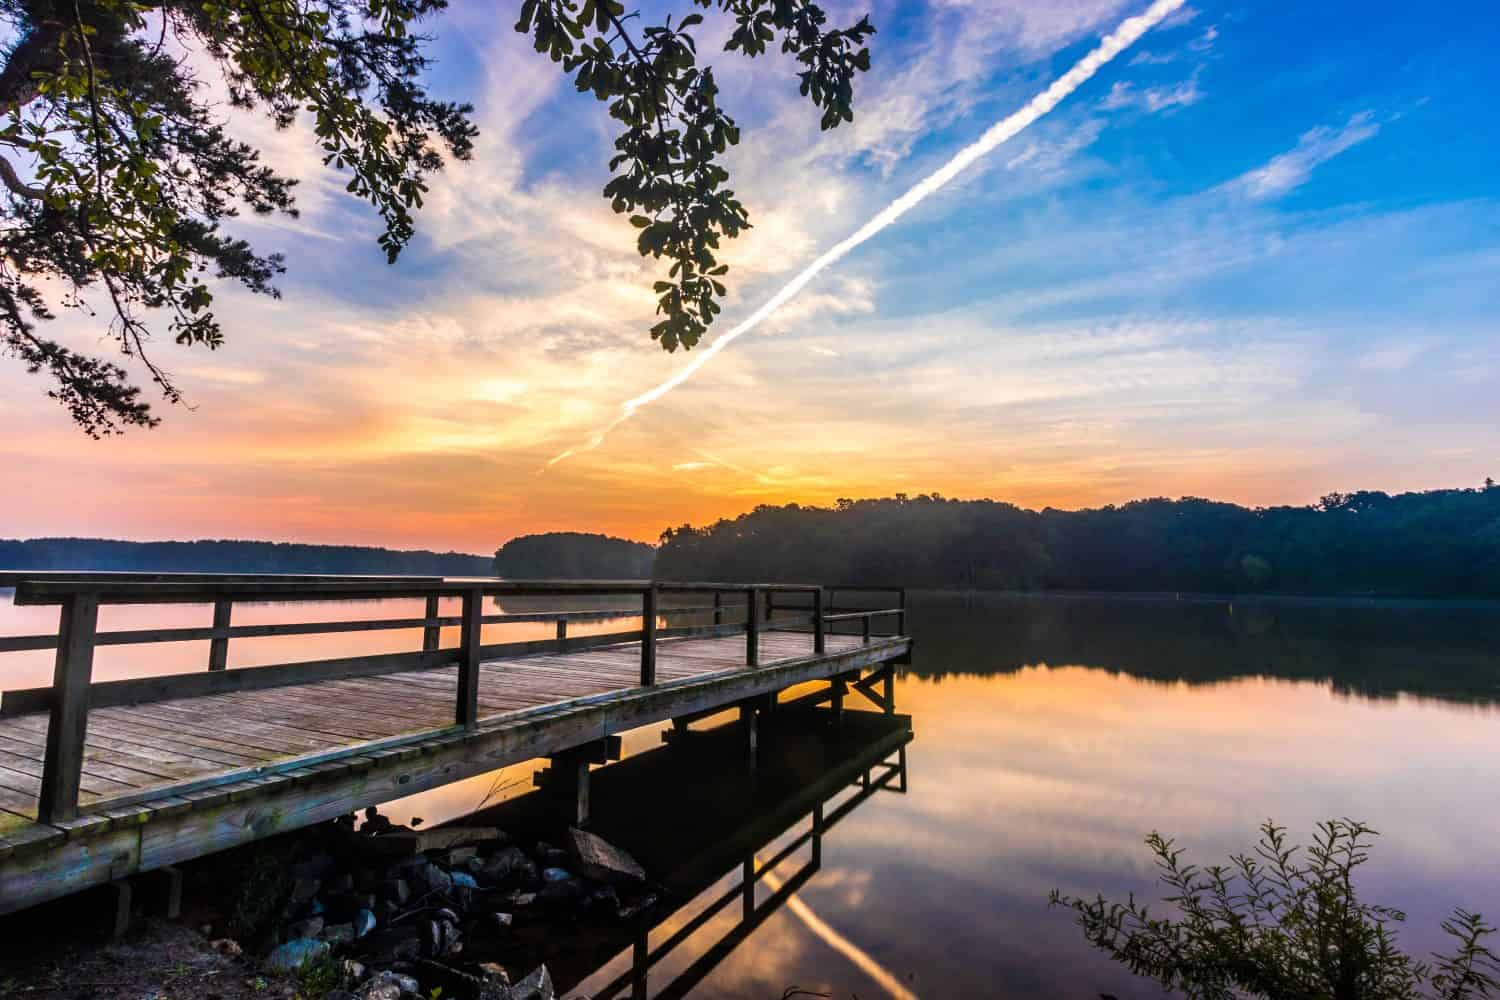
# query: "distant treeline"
574 555
230 556
1442 543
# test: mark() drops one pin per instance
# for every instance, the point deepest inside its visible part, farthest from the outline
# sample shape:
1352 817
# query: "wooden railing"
79 596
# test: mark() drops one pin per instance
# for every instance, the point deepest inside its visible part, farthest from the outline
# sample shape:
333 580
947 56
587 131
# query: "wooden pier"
102 780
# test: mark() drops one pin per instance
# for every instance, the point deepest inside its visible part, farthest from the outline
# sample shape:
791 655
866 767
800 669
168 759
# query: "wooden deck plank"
132 749
254 721
91 784
109 729
117 765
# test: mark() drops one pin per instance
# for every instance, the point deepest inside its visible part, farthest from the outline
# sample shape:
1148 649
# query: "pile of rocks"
402 907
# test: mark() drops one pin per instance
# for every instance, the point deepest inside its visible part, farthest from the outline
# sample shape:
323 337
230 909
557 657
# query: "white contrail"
857 956
1117 41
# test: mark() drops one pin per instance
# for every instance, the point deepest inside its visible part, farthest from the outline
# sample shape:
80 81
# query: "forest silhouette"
1439 543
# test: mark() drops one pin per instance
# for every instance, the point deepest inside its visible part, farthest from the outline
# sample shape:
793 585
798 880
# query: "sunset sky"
1256 258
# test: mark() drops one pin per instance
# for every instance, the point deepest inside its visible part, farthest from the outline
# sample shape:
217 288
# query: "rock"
537 986
340 883
460 856
339 995
598 859
376 823
353 971
402 943
316 867
501 921
387 846
309 928
397 890
338 933
304 889
364 923
519 900
227 946
463 879
440 937
296 955
447 837
495 982
451 945
636 907
556 875
604 898
567 891
400 841
432 879
549 855
509 864
389 986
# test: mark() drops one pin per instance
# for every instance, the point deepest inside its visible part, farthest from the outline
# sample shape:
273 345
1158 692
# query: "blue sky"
1255 257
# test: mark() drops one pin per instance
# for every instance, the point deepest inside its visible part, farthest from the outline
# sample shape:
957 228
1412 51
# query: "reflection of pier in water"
694 814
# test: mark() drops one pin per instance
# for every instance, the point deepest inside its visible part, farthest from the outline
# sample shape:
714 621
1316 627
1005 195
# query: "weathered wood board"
167 781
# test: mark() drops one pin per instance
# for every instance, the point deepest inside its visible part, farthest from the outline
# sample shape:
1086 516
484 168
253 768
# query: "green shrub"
1283 923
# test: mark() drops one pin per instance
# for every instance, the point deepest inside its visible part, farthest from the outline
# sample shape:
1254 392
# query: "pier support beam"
748 719
886 699
567 775
566 778
115 904
162 891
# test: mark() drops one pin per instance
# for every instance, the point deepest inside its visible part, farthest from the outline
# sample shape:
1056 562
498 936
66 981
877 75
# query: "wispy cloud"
1123 95
1290 170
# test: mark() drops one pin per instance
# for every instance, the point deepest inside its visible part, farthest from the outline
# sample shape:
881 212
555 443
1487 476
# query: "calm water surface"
1051 735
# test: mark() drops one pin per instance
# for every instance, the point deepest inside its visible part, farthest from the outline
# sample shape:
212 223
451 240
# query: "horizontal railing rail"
128 637
733 608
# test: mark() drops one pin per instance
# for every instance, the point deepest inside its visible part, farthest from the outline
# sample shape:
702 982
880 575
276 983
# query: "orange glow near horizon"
404 482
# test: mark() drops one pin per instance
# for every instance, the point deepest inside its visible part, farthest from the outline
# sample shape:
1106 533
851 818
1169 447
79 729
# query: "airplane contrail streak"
857 956
1117 41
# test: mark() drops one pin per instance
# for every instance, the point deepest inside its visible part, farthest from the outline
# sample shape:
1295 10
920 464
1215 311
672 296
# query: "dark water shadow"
694 813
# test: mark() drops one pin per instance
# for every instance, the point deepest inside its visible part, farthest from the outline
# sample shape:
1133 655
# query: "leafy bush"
1283 923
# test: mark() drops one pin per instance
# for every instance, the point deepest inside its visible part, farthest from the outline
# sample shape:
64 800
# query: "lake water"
1052 734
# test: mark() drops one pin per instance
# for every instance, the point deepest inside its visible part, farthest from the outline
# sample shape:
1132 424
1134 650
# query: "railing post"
218 646
562 634
67 727
752 630
817 834
648 637
467 714
718 607
820 645
747 888
432 633
865 623
770 605
901 618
